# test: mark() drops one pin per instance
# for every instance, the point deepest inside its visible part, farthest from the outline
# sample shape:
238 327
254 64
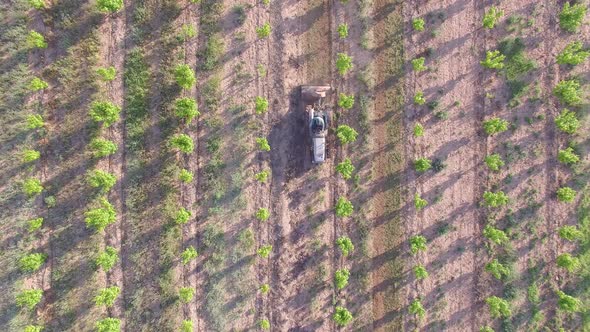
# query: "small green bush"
262 176
107 259
568 303
107 74
183 143
343 63
342 316
346 134
187 32
108 324
493 60
417 309
345 101
262 214
35 40
570 233
567 121
185 76
496 199
29 298
107 296
263 144
33 328
264 323
100 147
186 109
32 262
491 17
109 6
263 31
29 155
35 121
418 24
182 216
37 84
344 207
343 30
495 125
189 254
568 156
34 224
101 179
494 162
341 278
99 218
498 270
418 130
498 307
419 202
37 4
185 176
32 187
566 194
187 326
568 262
345 168
105 112
573 54
261 105
186 294
417 243
422 165
345 245
568 92
495 235
418 64
264 251
50 201
572 16
264 288
419 98
420 272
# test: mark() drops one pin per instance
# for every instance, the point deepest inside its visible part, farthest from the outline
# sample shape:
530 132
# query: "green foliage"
345 101
100 147
494 60
107 259
418 64
185 76
34 224
101 179
264 251
186 294
418 130
33 328
35 121
183 143
343 207
37 4
345 245
420 272
50 201
567 121
29 298
100 218
496 199
419 98
346 134
419 202
187 326
262 214
568 92
213 52
516 64
108 325
264 324
497 269
570 233
189 254
341 278
568 262
343 63
495 235
109 6
35 40
262 144
37 84
494 162
187 109
491 17
263 31
261 105
495 125
107 296
568 303
417 309
187 31
342 316
566 194
422 164
568 156
498 307
418 24
107 73
32 187
32 262
345 168
343 30
262 176
572 16
486 329
182 216
185 176
573 54
104 111
29 155
264 288
417 243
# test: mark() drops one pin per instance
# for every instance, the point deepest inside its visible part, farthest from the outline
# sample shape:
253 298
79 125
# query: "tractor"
319 119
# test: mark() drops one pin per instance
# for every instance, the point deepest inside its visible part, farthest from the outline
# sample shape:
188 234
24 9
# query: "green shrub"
37 84
262 214
494 162
213 52
50 201
420 272
418 130
182 216
111 6
419 98
343 63
33 328
568 262
341 278
572 16
498 307
32 262
32 187
417 243
491 17
263 144
418 24
568 92
343 207
264 288
346 134
495 125
342 316
187 32
107 73
422 164
567 121
345 101
573 54
345 168
29 155
185 176
187 326
419 202
417 309
496 199
185 76
570 233
568 156
37 4
35 121
568 303
108 324
186 294
263 31
261 105
107 296
183 143
264 251
35 40
262 176
34 224
496 268
101 179
493 60
418 64
345 245
264 323
186 109
100 147
189 254
29 298
100 218
495 235
104 111
107 259
566 194
343 30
